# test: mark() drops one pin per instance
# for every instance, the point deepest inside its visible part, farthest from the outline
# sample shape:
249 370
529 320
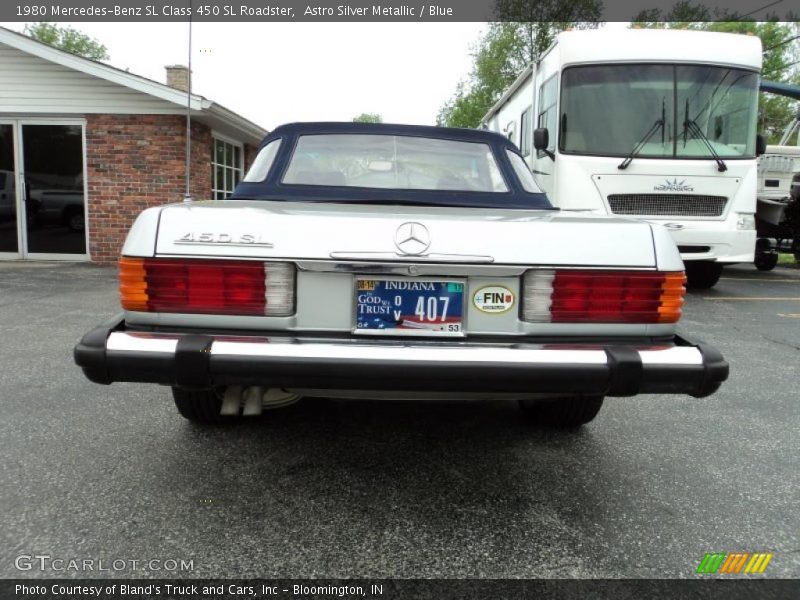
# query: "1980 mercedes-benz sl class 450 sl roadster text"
392 261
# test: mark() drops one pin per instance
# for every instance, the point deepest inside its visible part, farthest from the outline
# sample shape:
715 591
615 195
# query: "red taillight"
230 287
584 296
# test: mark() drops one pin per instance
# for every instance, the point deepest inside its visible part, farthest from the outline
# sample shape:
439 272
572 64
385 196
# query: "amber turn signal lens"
672 292
132 284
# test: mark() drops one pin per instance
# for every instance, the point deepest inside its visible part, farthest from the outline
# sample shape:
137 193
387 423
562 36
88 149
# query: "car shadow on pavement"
397 474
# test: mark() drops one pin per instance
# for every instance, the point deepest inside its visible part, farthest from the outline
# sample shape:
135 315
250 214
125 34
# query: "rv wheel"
766 261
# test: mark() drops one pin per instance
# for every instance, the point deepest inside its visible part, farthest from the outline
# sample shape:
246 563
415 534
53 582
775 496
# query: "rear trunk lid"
317 231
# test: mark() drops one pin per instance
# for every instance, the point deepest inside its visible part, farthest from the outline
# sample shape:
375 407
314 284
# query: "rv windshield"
605 110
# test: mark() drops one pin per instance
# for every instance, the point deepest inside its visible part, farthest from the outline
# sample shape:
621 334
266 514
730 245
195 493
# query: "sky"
274 73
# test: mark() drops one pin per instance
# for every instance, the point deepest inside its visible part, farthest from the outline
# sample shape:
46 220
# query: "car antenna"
187 197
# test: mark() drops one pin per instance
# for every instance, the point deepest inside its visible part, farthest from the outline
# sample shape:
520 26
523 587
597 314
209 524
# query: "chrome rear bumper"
110 353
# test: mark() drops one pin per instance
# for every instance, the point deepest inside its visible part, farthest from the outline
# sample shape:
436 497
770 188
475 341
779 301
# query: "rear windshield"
394 162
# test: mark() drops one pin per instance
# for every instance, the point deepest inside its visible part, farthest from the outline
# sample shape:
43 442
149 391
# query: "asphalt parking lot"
359 489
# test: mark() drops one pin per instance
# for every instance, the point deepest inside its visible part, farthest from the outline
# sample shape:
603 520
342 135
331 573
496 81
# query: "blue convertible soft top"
272 188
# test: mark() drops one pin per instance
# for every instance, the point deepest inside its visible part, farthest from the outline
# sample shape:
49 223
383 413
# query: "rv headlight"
746 221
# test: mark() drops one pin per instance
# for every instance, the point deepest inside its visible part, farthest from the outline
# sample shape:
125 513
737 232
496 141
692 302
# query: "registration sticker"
409 306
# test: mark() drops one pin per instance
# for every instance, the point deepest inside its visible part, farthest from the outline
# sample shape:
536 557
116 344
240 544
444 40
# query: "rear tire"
702 274
200 406
562 413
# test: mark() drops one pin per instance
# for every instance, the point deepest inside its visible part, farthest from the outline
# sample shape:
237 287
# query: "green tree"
368 118
781 53
466 107
67 39
523 32
685 12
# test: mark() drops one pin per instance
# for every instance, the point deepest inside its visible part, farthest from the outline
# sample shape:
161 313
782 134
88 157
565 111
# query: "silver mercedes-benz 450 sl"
393 261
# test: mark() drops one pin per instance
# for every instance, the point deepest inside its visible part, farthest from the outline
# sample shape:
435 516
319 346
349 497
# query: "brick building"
84 147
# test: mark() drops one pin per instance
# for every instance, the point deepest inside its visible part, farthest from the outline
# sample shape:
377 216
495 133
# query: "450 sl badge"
244 239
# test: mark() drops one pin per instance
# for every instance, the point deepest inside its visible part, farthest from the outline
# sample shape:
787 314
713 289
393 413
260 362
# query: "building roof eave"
235 121
203 109
98 69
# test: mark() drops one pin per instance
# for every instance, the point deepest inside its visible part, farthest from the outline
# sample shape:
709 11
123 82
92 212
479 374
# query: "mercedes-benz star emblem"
412 238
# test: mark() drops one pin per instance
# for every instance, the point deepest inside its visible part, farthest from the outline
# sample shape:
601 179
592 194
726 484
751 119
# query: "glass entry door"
42 191
52 190
9 226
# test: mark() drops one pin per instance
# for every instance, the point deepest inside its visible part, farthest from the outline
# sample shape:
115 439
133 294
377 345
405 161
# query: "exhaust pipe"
252 401
232 401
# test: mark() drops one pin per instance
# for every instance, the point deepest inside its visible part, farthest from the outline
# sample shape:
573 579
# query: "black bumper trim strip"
715 370
90 352
625 370
192 361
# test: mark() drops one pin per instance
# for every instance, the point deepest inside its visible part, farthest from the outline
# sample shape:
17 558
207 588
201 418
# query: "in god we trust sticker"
493 299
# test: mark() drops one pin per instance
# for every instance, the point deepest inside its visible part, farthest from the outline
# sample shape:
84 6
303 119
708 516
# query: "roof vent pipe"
187 198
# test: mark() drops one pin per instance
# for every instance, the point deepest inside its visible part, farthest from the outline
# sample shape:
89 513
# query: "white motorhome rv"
654 124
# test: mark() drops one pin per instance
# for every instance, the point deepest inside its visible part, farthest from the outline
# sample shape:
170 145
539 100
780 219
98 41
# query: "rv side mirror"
761 144
541 138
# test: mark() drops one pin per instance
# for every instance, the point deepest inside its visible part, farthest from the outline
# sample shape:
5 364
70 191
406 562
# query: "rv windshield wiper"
640 144
691 126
